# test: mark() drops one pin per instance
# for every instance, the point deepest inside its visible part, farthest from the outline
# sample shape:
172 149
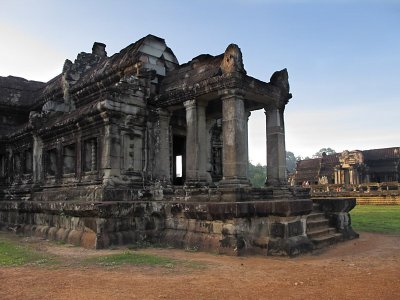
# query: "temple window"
178 159
51 162
90 155
28 164
17 163
69 159
2 165
178 166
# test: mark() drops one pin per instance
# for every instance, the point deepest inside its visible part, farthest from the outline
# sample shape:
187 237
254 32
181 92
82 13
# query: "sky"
343 56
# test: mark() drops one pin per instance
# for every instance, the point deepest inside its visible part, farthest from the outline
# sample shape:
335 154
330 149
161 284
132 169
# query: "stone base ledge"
200 210
275 227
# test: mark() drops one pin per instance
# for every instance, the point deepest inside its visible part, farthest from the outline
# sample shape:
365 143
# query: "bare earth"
367 268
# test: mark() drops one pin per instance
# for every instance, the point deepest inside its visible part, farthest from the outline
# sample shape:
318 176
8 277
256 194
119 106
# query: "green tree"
257 174
327 151
291 160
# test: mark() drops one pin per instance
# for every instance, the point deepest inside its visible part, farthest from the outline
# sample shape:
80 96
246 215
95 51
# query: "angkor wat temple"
135 146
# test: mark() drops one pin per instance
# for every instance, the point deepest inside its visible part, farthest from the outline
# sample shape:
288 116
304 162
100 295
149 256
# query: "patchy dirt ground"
367 268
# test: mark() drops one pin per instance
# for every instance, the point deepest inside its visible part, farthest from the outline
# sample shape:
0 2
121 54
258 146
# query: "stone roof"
19 92
308 169
328 163
199 68
91 72
312 169
381 154
206 76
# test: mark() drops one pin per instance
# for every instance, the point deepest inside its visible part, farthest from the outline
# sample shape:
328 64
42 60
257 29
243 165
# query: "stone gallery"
136 147
351 168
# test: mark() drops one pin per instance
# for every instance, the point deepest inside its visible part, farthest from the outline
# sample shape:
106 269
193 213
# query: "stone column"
247 114
202 133
162 157
276 152
336 176
235 140
196 143
37 159
342 177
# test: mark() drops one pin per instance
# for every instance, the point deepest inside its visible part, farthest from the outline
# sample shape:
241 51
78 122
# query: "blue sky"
343 57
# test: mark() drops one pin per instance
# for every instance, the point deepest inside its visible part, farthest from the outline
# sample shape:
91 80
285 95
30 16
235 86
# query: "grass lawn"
376 218
14 254
15 251
132 258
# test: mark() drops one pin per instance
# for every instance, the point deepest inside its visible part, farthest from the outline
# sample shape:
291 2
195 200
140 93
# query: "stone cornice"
250 87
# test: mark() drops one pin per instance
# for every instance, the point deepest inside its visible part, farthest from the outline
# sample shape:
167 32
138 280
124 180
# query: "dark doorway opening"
179 161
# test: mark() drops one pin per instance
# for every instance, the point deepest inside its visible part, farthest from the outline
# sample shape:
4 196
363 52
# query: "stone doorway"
179 159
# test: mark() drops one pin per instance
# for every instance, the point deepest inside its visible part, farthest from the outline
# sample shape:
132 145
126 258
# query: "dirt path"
367 268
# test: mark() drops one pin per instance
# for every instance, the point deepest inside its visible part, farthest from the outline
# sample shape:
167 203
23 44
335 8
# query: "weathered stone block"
217 227
228 229
295 228
88 240
74 237
278 230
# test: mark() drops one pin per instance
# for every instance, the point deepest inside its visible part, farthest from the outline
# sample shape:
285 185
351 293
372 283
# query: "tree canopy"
327 151
291 160
258 173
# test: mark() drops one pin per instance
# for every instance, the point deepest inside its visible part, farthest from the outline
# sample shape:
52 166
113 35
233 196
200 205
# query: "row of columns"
235 143
349 176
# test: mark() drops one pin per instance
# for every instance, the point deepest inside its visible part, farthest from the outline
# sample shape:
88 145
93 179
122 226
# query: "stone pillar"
235 140
351 174
276 152
340 177
196 143
248 113
202 142
336 176
162 157
37 166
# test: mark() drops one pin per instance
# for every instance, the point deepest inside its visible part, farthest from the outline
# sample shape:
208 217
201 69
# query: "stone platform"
271 226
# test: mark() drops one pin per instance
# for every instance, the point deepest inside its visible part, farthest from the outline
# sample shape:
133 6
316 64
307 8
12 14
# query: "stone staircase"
319 231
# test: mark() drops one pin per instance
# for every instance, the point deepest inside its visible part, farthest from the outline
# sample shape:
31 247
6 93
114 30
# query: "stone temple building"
351 167
136 146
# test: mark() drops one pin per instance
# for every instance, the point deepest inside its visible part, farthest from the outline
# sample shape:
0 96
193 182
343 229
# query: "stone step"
315 233
326 240
314 216
282 194
317 224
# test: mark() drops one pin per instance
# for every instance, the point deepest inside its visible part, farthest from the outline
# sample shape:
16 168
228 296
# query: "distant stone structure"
135 147
351 167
